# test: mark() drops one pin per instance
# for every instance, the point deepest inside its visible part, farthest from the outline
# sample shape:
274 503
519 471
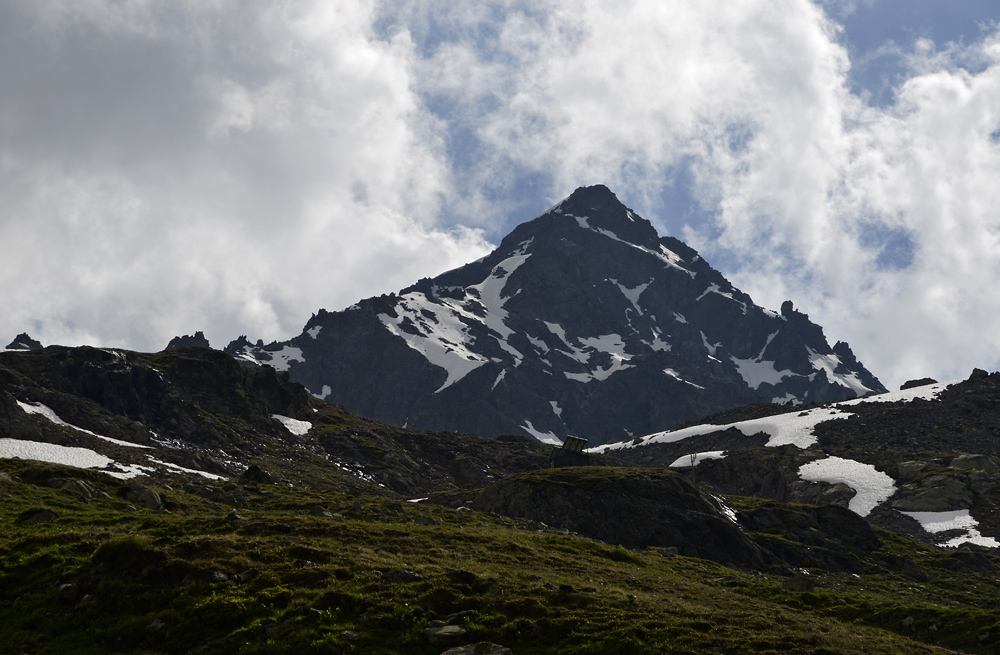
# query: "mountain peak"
24 342
584 322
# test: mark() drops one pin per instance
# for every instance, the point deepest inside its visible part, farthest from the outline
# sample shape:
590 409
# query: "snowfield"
873 487
935 522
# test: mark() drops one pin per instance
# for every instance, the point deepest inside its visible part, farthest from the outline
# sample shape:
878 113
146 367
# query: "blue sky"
232 167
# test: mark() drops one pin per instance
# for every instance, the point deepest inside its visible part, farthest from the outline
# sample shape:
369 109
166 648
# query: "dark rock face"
662 509
196 340
124 395
24 342
912 384
584 321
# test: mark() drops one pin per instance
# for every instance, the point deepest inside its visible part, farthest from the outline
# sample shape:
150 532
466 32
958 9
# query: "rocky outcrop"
196 340
635 508
24 342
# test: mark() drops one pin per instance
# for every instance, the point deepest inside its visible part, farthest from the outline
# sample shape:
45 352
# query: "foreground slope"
584 321
205 520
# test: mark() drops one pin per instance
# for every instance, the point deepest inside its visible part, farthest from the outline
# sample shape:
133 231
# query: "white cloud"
231 167
217 166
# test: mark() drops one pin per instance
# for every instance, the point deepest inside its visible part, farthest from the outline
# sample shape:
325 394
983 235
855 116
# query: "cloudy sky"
232 166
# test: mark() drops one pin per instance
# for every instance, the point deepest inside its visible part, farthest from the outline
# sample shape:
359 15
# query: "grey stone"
443 635
402 575
427 520
83 489
975 463
909 470
459 575
935 493
482 648
39 516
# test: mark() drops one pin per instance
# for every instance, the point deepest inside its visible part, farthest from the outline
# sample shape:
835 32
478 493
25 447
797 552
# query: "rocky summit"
584 322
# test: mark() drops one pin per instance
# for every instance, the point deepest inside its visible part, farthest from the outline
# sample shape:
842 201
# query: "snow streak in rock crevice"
438 327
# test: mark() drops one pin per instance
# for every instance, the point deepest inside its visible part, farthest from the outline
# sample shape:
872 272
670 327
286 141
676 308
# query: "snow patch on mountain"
935 522
872 487
664 254
609 344
784 429
436 332
829 364
633 294
794 428
83 458
756 371
714 288
693 459
710 347
544 437
295 426
438 327
675 375
282 359
49 413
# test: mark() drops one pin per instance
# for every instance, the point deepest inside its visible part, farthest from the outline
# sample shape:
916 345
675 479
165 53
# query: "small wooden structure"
573 452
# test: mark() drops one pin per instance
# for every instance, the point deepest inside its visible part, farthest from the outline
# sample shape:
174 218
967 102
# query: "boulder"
934 493
196 340
664 510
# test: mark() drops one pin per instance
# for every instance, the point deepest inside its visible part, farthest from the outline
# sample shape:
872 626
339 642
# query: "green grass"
296 583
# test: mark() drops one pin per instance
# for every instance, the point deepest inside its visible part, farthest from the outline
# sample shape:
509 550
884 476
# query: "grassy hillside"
296 570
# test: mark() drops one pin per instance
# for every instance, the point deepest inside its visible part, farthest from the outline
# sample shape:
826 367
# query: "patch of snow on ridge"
443 342
664 254
934 522
789 428
714 288
633 294
675 375
295 426
438 328
658 343
323 393
710 347
795 428
873 487
502 375
925 392
544 437
610 344
829 363
83 458
693 459
281 359
181 469
314 331
756 372
49 413
556 409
